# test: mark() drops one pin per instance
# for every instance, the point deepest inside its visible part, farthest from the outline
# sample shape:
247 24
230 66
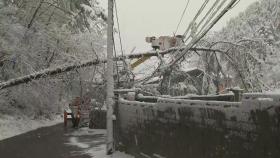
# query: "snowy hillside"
37 35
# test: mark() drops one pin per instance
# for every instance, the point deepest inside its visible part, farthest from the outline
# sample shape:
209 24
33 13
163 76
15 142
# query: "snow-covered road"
57 142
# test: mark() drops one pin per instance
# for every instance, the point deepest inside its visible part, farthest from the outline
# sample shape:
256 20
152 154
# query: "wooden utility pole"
110 78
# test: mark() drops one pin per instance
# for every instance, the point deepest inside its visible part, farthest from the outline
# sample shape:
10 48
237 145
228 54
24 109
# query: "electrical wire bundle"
201 24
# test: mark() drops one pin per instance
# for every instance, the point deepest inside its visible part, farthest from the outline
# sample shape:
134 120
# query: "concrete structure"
180 128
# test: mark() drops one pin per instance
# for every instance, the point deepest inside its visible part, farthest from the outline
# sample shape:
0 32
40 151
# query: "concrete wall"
177 128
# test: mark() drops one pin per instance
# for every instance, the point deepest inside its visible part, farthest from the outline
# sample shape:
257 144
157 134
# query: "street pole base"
110 152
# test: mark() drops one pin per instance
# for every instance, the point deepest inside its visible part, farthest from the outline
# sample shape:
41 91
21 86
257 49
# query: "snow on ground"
275 91
14 125
92 142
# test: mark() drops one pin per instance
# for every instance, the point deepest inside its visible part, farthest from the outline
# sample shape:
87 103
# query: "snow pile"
275 91
14 125
92 142
100 152
121 155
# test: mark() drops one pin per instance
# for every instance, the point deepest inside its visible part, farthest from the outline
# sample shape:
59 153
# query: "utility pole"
110 78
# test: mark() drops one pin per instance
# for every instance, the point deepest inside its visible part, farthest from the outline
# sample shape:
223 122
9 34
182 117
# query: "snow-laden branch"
48 72
168 51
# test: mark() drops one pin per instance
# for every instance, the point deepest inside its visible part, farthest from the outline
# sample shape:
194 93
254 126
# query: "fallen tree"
70 67
48 72
168 51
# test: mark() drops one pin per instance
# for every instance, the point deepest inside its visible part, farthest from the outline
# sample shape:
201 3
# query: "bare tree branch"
35 14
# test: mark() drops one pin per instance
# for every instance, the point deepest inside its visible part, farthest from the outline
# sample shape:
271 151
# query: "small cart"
78 112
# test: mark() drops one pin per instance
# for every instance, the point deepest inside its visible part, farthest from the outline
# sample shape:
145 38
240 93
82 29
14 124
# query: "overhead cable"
182 16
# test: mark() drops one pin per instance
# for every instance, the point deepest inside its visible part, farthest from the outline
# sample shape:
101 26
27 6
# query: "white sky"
142 18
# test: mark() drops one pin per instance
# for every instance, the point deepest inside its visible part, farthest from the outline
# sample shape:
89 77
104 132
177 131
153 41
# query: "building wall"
200 129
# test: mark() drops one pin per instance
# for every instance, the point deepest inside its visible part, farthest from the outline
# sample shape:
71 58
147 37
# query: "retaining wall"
176 128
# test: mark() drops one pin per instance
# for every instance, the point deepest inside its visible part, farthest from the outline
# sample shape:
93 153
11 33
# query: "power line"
182 16
196 16
203 33
118 25
235 4
191 25
212 12
116 63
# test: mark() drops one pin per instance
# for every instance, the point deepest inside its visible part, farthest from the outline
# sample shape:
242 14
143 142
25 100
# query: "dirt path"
55 142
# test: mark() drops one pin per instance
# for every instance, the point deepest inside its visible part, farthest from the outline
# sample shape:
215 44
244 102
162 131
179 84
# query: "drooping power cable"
182 16
200 36
196 16
118 25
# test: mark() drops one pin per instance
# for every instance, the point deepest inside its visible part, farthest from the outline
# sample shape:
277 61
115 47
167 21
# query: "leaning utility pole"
110 78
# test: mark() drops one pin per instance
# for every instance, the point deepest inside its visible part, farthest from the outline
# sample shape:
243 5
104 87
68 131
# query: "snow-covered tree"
40 34
251 47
